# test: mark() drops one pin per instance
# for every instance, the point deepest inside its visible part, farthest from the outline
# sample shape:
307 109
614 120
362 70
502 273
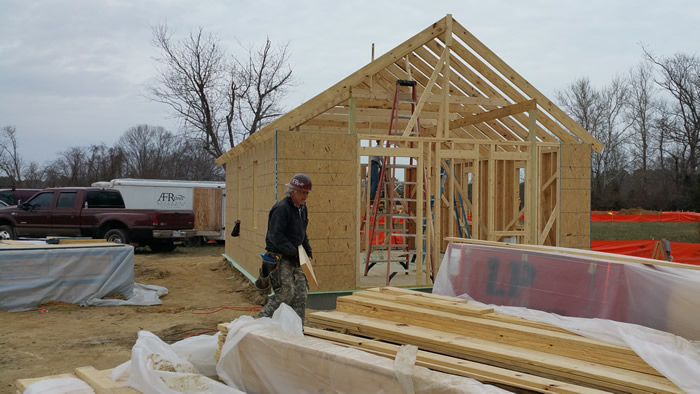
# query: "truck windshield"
104 199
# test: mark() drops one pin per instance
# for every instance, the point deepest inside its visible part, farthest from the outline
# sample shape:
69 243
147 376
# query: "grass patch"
676 232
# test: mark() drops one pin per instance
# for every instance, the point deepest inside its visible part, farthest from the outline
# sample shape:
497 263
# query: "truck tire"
117 235
192 242
7 232
158 246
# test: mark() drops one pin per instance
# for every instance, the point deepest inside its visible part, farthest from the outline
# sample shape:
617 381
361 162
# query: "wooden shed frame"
484 130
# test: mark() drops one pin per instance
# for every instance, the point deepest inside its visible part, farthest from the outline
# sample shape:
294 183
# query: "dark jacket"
286 229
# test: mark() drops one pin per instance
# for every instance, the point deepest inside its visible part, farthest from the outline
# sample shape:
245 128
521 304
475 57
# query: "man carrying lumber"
286 230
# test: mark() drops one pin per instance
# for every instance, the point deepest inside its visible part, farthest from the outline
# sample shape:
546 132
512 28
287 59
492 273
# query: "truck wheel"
162 246
7 232
117 235
192 242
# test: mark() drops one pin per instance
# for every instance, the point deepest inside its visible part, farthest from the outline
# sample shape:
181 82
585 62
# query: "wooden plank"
401 291
546 341
75 240
307 268
497 354
426 93
432 98
474 309
101 381
532 199
482 372
493 114
206 205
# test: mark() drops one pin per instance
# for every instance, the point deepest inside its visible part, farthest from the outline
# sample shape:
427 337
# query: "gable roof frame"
488 78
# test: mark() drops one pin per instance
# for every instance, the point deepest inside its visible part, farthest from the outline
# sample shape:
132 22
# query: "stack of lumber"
99 380
269 360
474 341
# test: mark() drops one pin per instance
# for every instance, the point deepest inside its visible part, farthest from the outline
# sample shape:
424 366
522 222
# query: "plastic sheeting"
530 284
77 275
577 286
59 386
255 358
187 366
156 367
682 252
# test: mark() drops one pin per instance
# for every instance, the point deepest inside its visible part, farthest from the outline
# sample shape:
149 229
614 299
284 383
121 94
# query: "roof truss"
464 89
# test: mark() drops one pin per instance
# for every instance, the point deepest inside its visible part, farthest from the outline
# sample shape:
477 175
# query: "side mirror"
20 204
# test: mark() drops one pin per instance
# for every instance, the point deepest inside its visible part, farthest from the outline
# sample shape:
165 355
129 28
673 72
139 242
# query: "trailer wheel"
7 232
117 235
162 245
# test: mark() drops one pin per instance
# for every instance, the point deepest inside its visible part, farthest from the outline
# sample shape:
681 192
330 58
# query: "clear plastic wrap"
592 297
155 367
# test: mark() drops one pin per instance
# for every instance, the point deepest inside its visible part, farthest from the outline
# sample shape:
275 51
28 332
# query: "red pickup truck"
96 213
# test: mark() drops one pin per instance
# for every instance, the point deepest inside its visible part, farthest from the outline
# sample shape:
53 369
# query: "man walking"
286 230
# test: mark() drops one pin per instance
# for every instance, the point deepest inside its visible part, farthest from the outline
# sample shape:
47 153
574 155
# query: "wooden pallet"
480 338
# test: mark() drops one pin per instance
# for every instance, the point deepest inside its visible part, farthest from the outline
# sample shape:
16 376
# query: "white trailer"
206 198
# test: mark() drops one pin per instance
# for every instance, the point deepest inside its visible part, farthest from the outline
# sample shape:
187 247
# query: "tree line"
143 151
648 120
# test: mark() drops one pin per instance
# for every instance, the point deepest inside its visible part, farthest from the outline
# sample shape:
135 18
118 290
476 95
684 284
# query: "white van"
206 198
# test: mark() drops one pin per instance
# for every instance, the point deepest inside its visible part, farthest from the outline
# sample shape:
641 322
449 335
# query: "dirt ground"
57 338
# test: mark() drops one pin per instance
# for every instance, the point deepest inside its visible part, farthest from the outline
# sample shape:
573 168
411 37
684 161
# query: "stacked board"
456 337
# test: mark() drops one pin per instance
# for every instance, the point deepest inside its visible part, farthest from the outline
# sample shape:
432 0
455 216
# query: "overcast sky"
72 72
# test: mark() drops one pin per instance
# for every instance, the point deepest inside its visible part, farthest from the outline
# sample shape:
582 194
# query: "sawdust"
64 336
160 364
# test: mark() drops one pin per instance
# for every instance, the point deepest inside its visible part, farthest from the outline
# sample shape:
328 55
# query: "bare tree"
68 169
10 160
103 163
599 112
615 129
680 77
264 82
33 176
205 88
195 163
643 114
149 152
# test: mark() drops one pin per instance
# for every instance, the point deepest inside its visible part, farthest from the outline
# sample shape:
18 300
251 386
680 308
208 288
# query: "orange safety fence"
670 217
379 237
682 252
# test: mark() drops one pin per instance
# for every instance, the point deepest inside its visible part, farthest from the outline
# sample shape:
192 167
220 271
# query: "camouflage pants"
292 291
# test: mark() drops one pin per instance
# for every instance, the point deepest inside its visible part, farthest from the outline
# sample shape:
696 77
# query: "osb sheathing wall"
575 196
329 159
250 185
